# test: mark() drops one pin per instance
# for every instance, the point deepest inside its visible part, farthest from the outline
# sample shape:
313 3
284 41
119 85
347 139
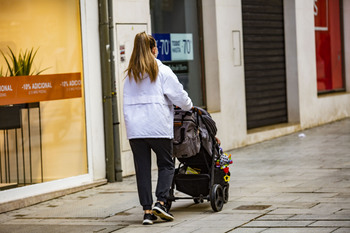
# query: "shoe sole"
147 222
162 214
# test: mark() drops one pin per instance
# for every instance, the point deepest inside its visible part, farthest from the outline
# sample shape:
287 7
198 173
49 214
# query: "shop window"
45 140
177 27
329 52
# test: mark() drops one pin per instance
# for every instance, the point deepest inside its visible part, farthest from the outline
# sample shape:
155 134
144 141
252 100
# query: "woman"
150 91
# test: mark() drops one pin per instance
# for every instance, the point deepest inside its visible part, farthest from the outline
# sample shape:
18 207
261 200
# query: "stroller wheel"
198 200
226 192
216 197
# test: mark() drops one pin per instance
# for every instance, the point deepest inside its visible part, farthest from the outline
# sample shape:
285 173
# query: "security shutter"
264 62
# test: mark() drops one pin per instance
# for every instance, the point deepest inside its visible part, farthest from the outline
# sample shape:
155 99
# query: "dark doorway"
264 62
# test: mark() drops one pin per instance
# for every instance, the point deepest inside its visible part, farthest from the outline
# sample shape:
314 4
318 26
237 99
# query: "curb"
20 203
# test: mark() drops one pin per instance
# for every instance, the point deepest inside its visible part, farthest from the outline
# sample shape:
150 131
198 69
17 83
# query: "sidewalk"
295 183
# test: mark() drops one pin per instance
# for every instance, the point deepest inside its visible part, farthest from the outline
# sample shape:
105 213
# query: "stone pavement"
295 183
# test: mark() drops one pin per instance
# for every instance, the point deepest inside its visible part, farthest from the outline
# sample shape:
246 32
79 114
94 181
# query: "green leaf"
22 64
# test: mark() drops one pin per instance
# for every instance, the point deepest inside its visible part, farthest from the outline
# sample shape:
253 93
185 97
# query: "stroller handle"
199 110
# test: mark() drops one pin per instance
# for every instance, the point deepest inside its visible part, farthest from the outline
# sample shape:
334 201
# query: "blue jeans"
141 149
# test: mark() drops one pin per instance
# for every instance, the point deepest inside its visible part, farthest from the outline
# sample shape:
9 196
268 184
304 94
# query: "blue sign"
174 46
163 44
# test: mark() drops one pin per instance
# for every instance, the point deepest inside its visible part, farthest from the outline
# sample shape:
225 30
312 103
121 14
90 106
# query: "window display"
176 26
42 128
329 53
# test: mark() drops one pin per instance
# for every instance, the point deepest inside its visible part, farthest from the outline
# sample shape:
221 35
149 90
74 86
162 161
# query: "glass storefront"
329 52
176 26
42 117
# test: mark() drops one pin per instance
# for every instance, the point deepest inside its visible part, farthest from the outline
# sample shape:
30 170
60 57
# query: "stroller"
203 167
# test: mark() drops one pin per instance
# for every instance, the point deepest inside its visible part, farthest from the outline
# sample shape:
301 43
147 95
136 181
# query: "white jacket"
148 107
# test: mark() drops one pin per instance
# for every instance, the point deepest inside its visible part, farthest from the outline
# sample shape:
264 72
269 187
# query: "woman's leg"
164 149
142 160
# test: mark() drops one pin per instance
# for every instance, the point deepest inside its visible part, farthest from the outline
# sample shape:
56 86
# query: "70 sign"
165 46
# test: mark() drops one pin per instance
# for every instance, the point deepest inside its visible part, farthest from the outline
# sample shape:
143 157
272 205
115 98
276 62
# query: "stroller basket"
201 161
194 185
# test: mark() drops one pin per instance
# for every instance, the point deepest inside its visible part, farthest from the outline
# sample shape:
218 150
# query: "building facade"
263 69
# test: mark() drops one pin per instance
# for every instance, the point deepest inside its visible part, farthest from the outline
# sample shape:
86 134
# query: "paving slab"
249 230
341 230
339 223
56 228
299 230
279 223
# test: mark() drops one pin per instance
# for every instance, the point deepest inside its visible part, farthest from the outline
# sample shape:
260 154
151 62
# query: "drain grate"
252 207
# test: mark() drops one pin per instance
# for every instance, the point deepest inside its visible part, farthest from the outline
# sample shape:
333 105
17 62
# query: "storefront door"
125 38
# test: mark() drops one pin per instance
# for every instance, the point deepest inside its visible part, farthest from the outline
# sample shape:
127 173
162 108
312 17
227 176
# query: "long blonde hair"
142 60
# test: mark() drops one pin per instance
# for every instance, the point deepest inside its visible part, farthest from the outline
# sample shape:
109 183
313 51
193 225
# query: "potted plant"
20 65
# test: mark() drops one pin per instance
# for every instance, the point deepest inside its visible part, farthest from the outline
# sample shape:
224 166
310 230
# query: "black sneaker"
148 219
162 212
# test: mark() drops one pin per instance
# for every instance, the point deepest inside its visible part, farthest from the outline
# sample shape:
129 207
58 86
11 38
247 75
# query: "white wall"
93 90
211 56
305 36
222 75
291 56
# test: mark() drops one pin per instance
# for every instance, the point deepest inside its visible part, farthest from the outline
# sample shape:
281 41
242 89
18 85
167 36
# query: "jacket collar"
159 62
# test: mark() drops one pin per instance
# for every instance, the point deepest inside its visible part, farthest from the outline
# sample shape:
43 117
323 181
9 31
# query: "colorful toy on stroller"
203 171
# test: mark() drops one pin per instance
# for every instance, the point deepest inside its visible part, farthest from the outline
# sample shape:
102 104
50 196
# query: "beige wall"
53 27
